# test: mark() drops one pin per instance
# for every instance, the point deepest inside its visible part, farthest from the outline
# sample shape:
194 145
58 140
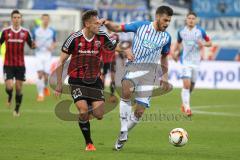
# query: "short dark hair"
191 13
15 11
45 15
164 10
88 14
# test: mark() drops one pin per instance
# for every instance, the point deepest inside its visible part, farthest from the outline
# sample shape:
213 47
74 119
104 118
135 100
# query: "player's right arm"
67 49
63 58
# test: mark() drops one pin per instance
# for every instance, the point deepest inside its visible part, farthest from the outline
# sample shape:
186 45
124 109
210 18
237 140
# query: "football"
178 137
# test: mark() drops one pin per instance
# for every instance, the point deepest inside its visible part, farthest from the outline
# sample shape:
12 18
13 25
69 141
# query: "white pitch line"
214 106
216 113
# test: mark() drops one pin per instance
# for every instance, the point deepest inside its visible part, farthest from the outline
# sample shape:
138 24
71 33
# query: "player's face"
45 20
16 19
93 24
163 21
191 20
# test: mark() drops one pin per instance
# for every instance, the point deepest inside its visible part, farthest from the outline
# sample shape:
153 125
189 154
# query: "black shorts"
89 90
11 72
108 67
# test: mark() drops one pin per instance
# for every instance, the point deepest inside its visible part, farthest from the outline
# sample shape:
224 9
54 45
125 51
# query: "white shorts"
143 82
189 72
43 63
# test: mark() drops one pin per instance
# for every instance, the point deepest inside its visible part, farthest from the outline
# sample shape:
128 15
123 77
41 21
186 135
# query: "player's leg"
125 112
9 91
98 109
8 76
83 122
136 115
40 85
193 79
46 89
46 72
185 94
125 103
40 78
18 97
20 78
112 83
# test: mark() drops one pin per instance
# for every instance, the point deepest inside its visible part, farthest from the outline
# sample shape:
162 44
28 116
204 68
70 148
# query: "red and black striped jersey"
108 56
15 41
86 54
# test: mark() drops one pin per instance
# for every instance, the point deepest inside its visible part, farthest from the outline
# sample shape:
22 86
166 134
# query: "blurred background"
220 18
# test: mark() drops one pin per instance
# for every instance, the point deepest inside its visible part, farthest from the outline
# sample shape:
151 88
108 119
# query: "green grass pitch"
214 130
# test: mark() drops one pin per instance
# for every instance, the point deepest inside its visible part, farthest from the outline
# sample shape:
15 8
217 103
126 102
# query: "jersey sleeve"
132 27
109 43
34 33
204 35
68 45
166 47
179 38
2 39
54 35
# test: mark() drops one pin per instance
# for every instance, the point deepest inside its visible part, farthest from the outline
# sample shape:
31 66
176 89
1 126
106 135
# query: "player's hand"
58 90
33 45
129 54
102 21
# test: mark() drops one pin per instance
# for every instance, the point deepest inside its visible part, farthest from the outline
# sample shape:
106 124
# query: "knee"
139 113
98 116
83 117
126 94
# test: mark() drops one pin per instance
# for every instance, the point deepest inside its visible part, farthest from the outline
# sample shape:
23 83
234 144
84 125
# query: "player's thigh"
194 75
39 63
127 88
98 109
9 84
47 65
82 106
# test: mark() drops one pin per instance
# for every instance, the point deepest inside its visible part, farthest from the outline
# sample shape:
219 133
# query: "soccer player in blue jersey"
45 39
192 38
151 44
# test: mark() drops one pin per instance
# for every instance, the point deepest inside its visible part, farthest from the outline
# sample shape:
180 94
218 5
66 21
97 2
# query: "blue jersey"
191 52
43 39
148 43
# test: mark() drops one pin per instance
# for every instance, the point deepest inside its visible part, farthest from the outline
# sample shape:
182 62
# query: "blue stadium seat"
227 54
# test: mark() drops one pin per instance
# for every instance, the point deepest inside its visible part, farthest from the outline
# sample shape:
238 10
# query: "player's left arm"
30 41
207 41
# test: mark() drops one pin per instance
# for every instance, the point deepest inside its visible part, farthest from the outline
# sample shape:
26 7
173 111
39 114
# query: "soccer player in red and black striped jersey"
15 37
85 48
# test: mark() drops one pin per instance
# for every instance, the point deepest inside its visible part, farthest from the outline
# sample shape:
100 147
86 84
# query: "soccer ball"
178 137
